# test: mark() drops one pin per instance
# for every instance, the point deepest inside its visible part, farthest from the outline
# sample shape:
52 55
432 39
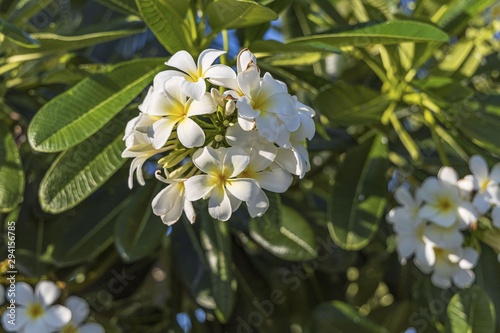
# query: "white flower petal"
174 214
207 58
246 124
79 309
245 59
268 126
24 294
162 77
495 173
429 189
57 316
467 213
242 188
167 198
198 187
478 167
91 328
249 82
235 162
276 180
495 216
406 246
21 320
262 157
195 89
184 61
219 205
38 325
161 131
47 292
245 109
190 133
440 281
205 105
189 211
463 278
448 175
404 197
425 255
207 160
258 205
481 204
220 72
469 258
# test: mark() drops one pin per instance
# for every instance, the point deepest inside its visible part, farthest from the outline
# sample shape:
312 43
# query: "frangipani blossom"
34 310
79 313
443 204
220 183
171 201
486 183
452 266
193 74
175 108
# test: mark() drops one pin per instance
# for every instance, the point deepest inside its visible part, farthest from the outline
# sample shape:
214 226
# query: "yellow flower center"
484 185
444 204
70 328
35 311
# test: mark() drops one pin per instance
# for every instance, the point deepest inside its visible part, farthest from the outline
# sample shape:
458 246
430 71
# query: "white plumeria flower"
220 182
451 266
79 313
408 225
193 75
171 201
294 159
138 146
483 181
443 204
176 108
441 237
34 311
267 103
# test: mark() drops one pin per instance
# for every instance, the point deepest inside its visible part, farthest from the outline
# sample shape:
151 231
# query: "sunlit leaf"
471 310
80 171
17 35
284 232
391 32
236 14
11 172
81 111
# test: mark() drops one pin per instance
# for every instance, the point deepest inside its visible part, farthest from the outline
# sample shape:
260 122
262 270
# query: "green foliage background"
406 95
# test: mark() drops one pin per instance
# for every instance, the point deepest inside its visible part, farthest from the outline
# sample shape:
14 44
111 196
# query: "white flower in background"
451 266
175 108
443 203
34 311
193 75
408 225
171 201
495 216
483 181
220 182
79 313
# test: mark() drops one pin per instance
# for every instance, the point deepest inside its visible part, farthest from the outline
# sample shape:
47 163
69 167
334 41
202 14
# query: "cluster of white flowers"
429 224
223 135
29 311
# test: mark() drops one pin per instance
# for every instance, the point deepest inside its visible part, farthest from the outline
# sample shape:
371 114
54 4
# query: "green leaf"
80 171
268 47
52 43
89 231
358 198
165 18
11 172
237 14
215 239
471 310
284 232
123 6
338 104
444 90
138 232
478 120
339 317
391 32
78 113
23 11
17 35
458 13
488 274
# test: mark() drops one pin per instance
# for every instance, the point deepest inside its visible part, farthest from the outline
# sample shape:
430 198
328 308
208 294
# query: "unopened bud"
217 97
230 107
218 138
